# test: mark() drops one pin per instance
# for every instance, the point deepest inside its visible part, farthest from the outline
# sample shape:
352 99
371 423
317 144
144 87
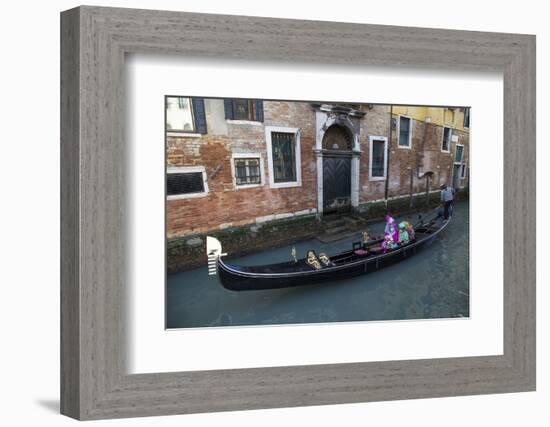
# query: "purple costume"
391 229
392 232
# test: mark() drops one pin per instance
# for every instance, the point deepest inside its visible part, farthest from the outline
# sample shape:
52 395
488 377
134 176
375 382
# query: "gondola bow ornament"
213 251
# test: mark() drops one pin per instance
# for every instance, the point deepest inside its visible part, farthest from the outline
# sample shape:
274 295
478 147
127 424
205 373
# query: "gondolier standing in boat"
447 197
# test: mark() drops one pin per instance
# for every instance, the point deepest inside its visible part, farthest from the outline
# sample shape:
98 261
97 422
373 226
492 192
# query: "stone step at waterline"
336 221
336 230
341 227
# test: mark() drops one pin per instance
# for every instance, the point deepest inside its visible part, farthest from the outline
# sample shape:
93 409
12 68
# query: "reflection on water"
432 284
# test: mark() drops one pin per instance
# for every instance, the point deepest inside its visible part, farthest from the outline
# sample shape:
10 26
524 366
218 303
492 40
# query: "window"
283 151
378 158
446 139
459 153
186 182
404 132
244 109
284 157
463 169
467 117
247 171
185 115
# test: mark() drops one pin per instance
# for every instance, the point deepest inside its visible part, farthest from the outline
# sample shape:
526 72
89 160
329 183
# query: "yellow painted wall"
451 117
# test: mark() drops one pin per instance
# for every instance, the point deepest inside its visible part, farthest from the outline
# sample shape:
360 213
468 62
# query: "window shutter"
259 110
228 106
200 116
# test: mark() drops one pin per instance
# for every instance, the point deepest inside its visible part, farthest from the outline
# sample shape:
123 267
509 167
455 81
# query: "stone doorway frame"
327 115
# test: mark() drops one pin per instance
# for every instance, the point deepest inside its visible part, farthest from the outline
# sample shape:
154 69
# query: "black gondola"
296 273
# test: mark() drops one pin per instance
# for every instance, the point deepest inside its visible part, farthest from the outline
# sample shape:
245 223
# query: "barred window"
247 171
283 146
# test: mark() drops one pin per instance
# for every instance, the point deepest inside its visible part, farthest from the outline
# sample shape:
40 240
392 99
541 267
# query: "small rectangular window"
404 131
247 171
283 147
446 142
243 109
178 183
463 171
179 114
459 153
378 169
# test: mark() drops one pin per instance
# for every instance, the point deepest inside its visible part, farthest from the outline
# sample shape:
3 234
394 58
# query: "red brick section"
225 204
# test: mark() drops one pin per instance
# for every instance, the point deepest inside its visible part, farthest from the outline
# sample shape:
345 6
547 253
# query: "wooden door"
336 184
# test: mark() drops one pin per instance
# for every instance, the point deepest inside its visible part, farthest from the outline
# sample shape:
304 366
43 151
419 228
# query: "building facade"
234 162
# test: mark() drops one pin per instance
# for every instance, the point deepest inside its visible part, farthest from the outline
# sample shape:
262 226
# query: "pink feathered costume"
391 231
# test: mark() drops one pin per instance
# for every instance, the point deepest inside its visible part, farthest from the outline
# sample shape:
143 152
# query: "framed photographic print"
330 191
292 213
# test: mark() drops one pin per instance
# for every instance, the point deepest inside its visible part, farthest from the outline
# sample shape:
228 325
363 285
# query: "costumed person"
388 244
403 234
391 228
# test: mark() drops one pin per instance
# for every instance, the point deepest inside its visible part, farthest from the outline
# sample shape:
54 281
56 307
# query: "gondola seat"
376 249
312 260
325 260
359 249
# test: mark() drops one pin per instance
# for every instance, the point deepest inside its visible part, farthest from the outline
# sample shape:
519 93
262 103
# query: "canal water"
434 283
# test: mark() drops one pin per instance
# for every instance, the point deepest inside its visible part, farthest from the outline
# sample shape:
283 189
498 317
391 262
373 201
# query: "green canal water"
434 283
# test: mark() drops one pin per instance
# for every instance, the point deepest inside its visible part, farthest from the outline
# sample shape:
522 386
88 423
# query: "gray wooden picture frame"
94 382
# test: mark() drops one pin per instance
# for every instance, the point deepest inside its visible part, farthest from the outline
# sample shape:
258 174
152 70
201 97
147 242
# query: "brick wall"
424 155
225 205
376 123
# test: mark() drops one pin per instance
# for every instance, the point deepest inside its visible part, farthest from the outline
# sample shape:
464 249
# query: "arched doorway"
337 146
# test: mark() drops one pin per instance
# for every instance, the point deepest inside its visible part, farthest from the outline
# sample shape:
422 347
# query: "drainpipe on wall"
428 181
388 158
411 189
420 159
421 153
